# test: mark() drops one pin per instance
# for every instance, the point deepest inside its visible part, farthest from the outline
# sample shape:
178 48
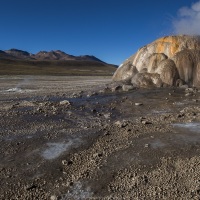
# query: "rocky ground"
84 138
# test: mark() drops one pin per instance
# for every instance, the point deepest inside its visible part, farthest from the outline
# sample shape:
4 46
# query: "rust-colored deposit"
170 44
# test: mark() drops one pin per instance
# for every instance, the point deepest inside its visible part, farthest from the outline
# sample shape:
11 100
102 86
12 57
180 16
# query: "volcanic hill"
18 62
168 61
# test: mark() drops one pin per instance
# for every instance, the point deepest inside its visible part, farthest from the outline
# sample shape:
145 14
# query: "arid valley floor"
75 138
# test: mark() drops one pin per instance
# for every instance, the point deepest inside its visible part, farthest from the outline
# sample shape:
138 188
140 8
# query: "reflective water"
192 127
157 144
78 192
187 132
18 90
55 149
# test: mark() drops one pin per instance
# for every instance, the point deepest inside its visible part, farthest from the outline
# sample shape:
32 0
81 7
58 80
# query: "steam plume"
188 20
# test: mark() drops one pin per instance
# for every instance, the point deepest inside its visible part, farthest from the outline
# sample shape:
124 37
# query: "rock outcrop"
168 61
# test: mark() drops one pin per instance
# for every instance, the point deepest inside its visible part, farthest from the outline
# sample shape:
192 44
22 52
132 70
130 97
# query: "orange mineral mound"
172 58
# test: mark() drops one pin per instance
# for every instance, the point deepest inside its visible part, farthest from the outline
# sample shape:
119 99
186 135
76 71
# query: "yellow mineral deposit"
168 45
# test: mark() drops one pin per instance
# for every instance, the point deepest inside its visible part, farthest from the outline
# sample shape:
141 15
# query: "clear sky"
111 30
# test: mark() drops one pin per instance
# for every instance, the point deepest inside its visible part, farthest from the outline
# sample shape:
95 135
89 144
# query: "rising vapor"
188 20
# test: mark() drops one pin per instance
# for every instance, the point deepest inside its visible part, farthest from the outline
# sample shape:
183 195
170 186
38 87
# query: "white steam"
188 20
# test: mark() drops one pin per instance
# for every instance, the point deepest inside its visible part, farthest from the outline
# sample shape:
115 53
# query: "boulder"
127 88
168 72
153 61
188 65
145 79
126 73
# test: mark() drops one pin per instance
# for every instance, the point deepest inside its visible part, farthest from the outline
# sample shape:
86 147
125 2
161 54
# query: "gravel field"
83 138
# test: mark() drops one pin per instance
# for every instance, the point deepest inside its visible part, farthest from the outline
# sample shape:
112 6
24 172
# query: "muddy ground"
69 138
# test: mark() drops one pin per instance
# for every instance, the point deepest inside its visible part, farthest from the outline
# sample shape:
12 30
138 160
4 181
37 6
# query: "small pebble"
53 197
138 104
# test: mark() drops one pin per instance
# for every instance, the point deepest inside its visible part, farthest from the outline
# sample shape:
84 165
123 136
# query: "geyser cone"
166 61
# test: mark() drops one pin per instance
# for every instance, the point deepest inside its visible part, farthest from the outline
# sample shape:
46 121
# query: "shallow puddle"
188 132
17 90
15 137
54 150
192 127
179 103
14 90
157 144
78 192
160 111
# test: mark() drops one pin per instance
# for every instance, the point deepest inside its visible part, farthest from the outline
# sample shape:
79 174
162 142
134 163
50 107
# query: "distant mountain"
15 53
45 56
18 62
88 58
4 55
53 55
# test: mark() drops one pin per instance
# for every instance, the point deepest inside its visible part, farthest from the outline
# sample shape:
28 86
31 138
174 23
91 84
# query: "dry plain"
80 138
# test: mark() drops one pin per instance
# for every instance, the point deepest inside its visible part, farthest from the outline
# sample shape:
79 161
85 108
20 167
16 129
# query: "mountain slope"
18 54
53 55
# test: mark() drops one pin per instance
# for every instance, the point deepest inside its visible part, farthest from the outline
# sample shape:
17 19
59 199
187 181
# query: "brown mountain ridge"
44 55
19 62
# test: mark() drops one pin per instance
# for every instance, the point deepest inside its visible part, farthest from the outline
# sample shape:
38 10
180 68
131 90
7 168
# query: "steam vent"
168 61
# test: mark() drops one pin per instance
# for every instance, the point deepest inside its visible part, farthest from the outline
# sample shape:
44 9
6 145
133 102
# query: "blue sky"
111 30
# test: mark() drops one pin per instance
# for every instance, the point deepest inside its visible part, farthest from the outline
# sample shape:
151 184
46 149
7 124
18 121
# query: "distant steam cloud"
188 20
